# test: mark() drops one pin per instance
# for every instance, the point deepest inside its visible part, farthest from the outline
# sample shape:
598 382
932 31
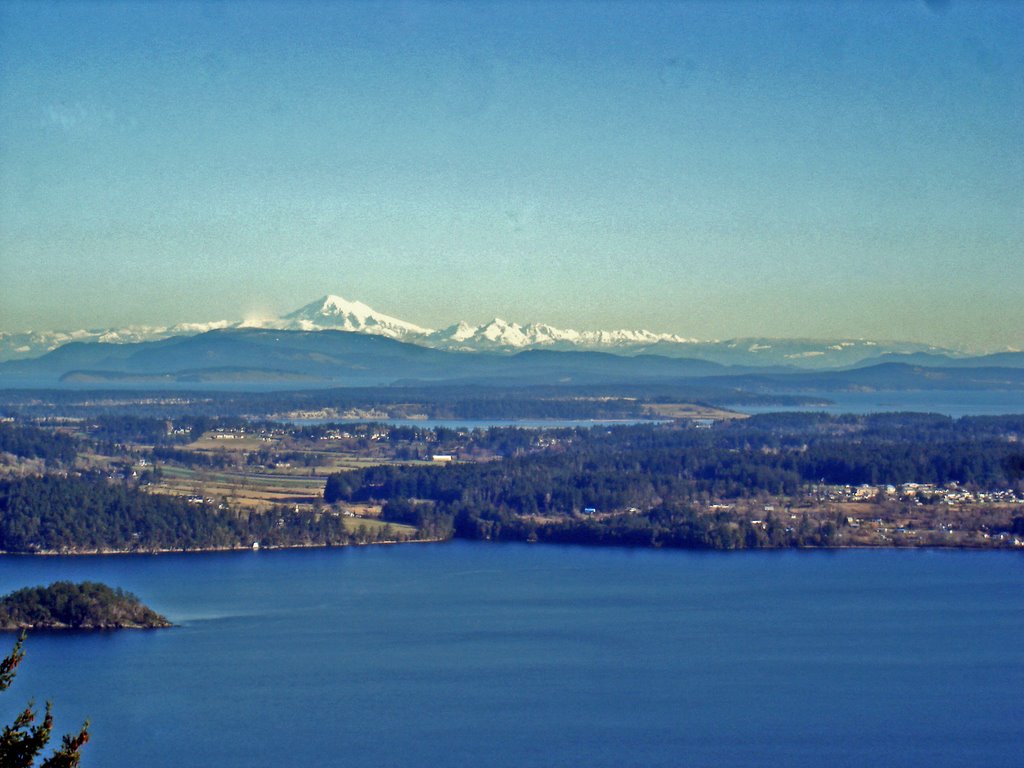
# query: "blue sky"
710 169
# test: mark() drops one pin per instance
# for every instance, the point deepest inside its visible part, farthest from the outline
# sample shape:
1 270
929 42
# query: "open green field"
253 491
260 493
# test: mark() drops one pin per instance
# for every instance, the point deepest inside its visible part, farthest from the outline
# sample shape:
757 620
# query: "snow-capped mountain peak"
336 306
461 331
499 334
499 331
333 312
336 313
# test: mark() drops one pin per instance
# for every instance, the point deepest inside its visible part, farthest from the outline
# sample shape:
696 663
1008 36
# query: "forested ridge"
634 466
88 513
693 484
35 443
646 484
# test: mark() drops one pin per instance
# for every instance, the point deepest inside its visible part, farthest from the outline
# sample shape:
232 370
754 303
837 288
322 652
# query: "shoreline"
62 628
201 550
206 550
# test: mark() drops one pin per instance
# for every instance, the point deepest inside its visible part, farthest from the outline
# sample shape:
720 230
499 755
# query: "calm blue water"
511 655
949 402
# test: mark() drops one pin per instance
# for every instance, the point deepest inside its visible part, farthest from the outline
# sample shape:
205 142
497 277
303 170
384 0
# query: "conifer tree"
23 740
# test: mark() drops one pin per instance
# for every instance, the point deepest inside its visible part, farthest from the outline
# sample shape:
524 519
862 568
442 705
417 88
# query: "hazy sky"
710 169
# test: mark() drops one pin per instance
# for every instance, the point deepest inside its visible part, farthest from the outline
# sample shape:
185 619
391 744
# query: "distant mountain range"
503 337
265 358
271 357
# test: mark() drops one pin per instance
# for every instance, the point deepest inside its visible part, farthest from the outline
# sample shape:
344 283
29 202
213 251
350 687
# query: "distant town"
296 477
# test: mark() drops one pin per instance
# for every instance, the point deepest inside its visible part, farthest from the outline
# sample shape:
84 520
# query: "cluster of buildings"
918 493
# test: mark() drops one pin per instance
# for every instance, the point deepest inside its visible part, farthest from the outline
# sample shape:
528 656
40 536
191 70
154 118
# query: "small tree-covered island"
66 605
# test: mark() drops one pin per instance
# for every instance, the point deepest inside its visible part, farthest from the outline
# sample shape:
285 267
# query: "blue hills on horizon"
332 312
275 359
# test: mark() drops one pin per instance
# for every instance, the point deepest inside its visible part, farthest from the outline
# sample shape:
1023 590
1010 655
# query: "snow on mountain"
14 346
501 335
336 313
461 331
333 312
810 353
327 313
192 329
